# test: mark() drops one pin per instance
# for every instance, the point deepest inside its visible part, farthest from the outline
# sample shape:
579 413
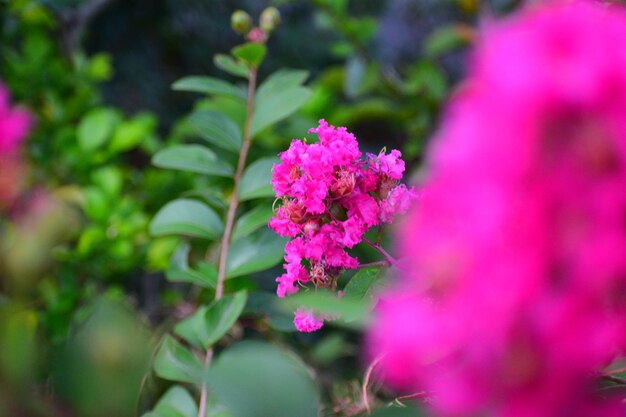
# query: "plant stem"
372 264
204 392
391 261
616 371
234 198
615 379
366 381
230 218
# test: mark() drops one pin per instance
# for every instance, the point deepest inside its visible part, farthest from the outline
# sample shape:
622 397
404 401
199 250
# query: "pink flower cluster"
14 125
516 297
330 198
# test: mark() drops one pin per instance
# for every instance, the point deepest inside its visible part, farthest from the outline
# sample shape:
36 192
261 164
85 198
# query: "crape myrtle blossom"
515 299
330 199
14 125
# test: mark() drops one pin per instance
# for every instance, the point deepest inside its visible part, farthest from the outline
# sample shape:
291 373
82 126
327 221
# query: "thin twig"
615 371
373 264
230 217
204 391
366 381
615 379
234 198
390 259
409 396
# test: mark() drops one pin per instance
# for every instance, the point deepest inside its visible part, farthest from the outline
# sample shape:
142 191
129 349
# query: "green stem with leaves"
230 217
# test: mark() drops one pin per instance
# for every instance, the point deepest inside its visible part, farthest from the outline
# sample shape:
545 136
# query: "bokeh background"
83 296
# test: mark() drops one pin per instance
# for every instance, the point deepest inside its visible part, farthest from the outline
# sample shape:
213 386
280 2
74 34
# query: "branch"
391 261
234 198
615 379
366 381
373 264
204 392
230 218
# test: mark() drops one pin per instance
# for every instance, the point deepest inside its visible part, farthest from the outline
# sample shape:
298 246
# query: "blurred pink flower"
516 296
14 125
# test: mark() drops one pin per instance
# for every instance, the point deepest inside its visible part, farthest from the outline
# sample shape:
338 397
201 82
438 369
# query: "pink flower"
330 198
390 165
398 201
306 321
287 283
365 207
353 230
514 299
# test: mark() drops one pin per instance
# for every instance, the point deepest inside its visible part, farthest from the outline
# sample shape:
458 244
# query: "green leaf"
193 328
360 284
192 158
131 133
331 348
187 217
222 314
254 253
350 311
265 304
232 108
339 7
211 195
397 411
109 179
208 85
255 182
355 73
216 128
426 79
251 53
96 127
254 379
176 402
274 104
205 275
446 39
210 323
228 64
252 220
175 363
97 204
278 81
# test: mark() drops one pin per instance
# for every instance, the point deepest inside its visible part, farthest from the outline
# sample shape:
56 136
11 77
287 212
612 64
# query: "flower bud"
270 18
311 226
257 35
294 211
344 185
240 21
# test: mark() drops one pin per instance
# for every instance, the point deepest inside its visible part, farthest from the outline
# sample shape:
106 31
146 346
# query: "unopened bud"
270 18
240 21
344 185
257 35
294 211
311 226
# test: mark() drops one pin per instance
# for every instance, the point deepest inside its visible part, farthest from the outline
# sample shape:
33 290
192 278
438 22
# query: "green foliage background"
106 291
